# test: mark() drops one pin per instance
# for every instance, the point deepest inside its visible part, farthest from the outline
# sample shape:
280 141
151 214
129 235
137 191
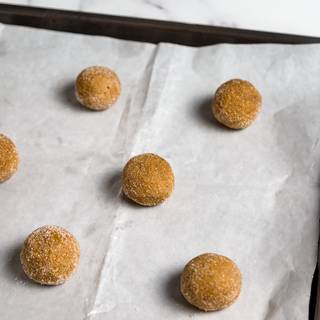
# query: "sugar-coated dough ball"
97 88
211 282
236 104
9 158
147 179
50 255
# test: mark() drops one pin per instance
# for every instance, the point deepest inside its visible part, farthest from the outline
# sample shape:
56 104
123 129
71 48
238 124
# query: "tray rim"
140 29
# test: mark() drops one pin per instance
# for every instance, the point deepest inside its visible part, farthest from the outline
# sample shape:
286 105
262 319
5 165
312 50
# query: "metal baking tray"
153 31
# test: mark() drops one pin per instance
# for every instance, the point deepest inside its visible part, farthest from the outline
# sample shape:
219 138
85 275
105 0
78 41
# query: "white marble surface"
288 16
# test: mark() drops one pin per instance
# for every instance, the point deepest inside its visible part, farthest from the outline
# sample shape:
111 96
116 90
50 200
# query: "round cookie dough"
50 255
147 179
9 158
236 104
97 88
210 282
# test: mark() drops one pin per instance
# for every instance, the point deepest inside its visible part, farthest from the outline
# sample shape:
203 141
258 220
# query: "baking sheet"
251 195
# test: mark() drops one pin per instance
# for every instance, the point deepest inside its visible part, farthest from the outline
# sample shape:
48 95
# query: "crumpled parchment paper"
252 195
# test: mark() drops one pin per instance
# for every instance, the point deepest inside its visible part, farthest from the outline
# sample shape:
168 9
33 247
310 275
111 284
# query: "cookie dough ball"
9 158
50 255
211 282
97 88
147 179
236 104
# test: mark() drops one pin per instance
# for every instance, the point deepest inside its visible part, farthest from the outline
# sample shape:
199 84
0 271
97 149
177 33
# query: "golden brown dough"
211 282
50 255
97 88
147 179
9 158
236 104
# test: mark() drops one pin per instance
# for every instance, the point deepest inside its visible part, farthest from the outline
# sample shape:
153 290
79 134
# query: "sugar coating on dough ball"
50 255
236 104
97 87
9 158
210 282
147 179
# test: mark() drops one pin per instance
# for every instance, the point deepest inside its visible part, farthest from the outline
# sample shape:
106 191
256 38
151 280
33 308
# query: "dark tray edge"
137 29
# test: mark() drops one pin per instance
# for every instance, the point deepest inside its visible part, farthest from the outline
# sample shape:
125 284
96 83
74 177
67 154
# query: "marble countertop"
287 16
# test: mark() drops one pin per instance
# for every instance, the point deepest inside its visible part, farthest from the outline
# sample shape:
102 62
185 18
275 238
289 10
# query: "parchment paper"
251 195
